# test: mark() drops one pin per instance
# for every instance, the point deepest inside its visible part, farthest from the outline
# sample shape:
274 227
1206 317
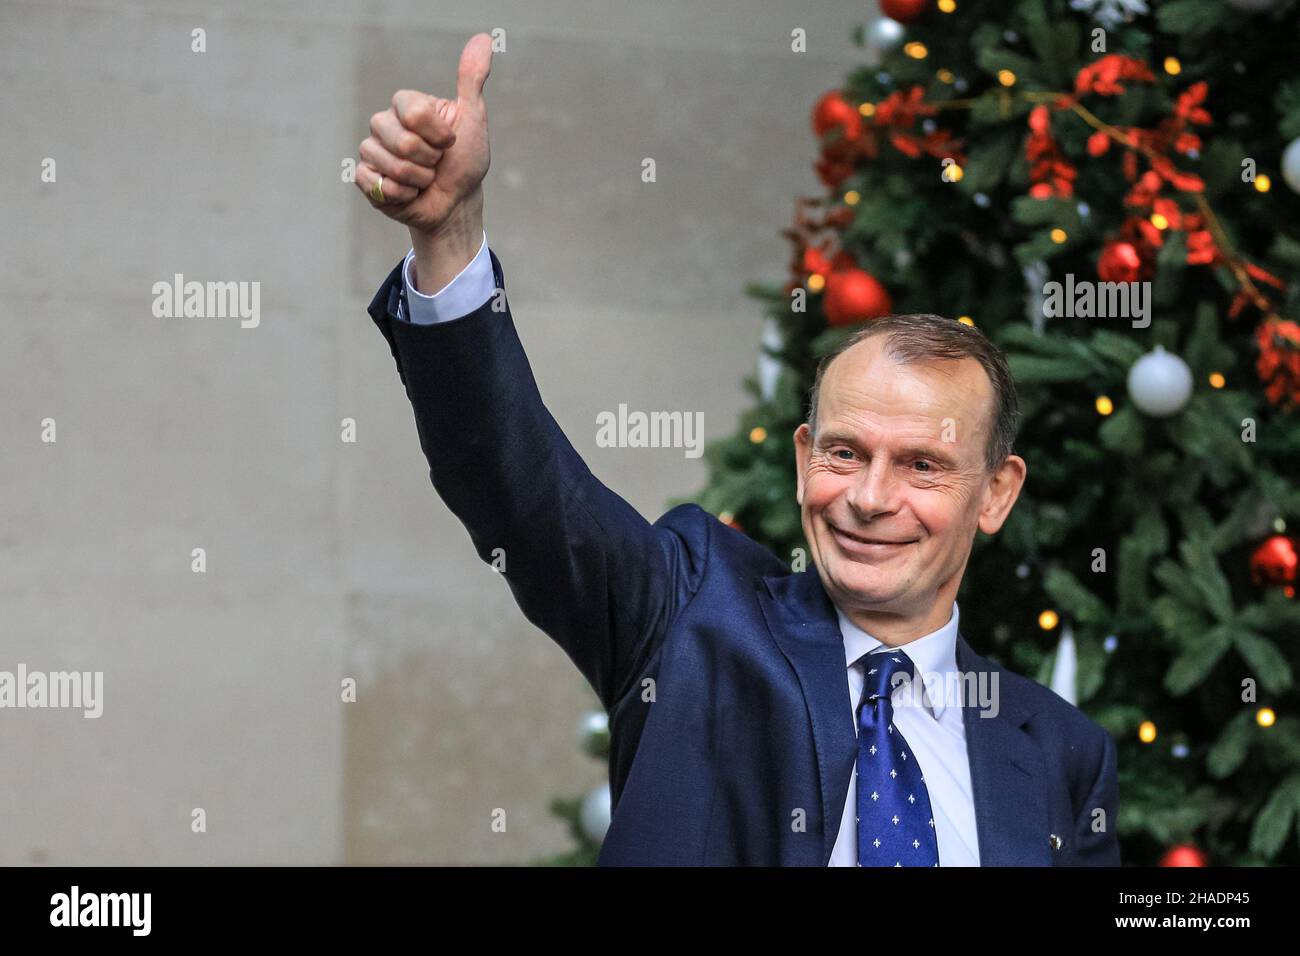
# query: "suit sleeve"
1097 837
581 562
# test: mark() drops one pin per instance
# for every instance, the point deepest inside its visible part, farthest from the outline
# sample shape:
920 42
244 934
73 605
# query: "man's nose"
876 490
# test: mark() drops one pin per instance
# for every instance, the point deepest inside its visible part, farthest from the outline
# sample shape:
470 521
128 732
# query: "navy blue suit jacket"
723 672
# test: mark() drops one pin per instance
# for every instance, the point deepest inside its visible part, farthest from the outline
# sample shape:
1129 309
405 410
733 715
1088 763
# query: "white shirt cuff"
472 287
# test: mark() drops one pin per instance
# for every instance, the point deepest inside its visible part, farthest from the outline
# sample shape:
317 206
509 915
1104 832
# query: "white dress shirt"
934 732
471 287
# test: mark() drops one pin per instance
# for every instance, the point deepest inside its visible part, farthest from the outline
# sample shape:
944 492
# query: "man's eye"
845 451
923 462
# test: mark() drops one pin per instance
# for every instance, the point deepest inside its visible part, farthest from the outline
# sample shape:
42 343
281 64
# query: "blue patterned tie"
895 823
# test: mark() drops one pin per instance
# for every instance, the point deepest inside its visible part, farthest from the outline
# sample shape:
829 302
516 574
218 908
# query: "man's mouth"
862 544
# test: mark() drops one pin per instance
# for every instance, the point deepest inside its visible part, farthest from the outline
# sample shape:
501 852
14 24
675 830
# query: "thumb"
475 65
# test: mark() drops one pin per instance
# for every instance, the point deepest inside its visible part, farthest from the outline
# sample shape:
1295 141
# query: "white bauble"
884 35
593 722
1291 164
595 813
1160 383
1111 13
593 732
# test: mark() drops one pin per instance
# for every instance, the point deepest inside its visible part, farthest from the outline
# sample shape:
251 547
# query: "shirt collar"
934 654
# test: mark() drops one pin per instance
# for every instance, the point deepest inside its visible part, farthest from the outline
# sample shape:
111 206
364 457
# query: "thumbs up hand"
431 152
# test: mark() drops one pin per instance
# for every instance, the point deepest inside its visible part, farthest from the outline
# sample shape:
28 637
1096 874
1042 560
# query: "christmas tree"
1017 166
1110 190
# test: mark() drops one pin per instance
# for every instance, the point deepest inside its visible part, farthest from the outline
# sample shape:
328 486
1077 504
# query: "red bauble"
834 112
1274 562
1184 855
904 11
1120 262
854 296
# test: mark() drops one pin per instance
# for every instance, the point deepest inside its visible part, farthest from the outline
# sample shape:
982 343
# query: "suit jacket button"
1055 841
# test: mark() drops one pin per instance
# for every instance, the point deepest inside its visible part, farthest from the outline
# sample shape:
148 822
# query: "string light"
851 197
1262 183
816 282
945 76
954 173
1104 405
1217 380
1172 66
966 320
867 109
1147 732
1265 717
947 6
1048 620
1159 221
916 50
1006 78
1058 235
758 434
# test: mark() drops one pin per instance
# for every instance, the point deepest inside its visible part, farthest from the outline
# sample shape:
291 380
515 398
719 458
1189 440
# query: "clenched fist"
431 152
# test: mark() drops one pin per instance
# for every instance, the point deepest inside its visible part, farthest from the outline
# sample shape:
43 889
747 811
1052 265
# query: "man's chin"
861 583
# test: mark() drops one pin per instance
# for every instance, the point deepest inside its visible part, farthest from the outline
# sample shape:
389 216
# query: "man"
758 716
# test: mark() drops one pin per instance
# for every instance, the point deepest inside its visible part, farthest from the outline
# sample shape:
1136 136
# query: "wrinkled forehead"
867 390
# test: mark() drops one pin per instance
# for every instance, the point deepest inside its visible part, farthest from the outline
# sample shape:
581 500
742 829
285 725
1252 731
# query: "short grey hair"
924 337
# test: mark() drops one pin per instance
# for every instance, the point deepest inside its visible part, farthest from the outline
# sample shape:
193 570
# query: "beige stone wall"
327 559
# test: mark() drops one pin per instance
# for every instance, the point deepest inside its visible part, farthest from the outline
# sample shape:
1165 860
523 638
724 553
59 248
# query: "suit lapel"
803 622
1008 780
1007 776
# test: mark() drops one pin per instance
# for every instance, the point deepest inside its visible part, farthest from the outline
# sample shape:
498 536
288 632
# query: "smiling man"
757 716
906 452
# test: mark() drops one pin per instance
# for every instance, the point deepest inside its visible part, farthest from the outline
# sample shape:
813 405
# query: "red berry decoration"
853 296
1098 143
1274 562
814 260
1184 855
904 11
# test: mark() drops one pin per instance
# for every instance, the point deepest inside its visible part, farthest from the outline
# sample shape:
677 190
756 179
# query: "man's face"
894 486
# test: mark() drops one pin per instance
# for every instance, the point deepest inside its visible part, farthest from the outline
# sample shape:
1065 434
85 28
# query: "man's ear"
802 449
1003 490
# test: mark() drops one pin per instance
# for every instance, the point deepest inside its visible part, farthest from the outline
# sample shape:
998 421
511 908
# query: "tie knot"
881 672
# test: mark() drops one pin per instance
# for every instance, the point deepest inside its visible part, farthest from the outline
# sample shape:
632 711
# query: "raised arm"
582 563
